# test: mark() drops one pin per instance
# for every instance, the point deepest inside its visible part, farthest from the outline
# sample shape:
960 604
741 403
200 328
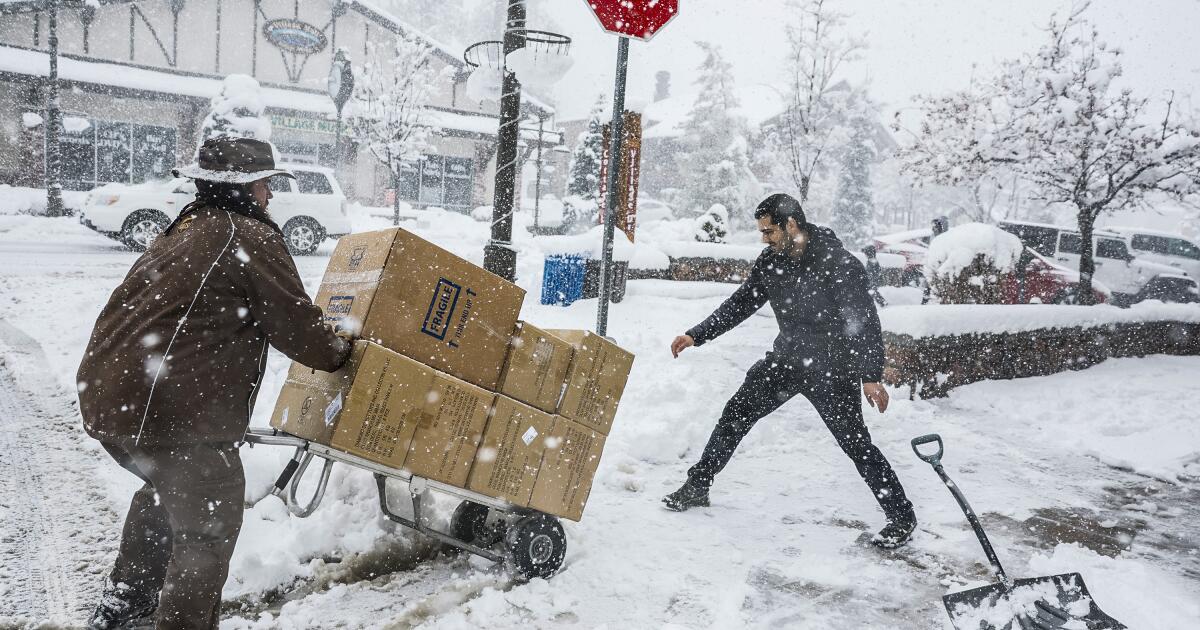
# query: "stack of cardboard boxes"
447 384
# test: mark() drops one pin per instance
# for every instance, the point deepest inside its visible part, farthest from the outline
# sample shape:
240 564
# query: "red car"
1047 282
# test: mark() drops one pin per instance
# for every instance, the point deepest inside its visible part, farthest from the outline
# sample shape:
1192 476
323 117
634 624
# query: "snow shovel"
1040 603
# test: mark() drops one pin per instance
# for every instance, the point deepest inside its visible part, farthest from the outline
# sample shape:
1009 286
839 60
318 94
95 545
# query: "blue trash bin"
562 278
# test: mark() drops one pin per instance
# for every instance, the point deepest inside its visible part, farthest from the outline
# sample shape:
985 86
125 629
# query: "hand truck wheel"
536 546
469 523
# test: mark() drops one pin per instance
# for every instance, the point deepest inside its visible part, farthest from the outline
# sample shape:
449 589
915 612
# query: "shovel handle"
933 459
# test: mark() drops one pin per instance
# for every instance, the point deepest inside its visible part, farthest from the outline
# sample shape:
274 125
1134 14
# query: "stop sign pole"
641 19
614 174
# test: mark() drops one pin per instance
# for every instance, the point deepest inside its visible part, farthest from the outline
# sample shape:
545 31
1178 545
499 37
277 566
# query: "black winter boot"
120 606
688 496
895 533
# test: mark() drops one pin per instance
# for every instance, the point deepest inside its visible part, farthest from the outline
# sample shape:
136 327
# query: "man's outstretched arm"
742 304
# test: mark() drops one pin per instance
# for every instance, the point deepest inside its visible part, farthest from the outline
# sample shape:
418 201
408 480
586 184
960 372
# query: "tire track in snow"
57 533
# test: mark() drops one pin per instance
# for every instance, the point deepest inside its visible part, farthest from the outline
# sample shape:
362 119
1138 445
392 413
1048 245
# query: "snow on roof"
907 235
1129 231
36 63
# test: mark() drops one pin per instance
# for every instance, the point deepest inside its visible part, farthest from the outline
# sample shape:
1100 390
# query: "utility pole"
499 257
614 176
54 202
537 182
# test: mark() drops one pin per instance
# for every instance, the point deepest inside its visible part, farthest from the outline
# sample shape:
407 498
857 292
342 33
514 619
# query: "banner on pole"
628 176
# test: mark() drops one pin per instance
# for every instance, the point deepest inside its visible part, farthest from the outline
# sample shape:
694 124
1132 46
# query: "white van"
308 209
1163 247
1127 275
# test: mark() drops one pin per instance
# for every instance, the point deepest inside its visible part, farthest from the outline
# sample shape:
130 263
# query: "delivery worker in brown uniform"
170 377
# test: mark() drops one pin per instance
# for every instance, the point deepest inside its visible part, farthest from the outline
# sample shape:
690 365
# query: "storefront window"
436 180
102 152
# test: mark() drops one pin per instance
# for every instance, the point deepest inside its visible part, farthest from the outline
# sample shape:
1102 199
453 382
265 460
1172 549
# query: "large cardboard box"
399 290
565 479
536 368
507 463
389 409
596 379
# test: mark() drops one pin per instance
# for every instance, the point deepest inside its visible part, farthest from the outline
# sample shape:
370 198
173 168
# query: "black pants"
768 385
181 528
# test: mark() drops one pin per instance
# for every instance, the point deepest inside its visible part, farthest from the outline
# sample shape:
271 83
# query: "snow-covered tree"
714 165
582 200
389 114
853 208
1058 122
819 102
237 112
711 226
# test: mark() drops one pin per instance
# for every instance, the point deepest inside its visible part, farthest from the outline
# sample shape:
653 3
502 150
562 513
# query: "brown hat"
233 161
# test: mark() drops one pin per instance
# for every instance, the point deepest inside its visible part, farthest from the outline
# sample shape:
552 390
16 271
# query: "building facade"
137 78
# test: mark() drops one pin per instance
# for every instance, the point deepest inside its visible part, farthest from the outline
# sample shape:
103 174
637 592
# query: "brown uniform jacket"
177 353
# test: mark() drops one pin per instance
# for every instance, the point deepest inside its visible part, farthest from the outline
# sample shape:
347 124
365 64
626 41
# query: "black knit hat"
781 207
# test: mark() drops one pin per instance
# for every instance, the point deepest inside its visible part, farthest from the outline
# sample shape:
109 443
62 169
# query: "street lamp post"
340 85
54 201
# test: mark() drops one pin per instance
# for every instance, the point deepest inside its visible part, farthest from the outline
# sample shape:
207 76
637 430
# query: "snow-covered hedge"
966 264
933 349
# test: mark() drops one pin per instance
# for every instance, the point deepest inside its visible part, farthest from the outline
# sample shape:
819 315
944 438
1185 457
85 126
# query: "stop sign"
634 18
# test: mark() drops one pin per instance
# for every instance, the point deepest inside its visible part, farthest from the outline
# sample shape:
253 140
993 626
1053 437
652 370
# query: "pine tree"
583 180
714 164
237 112
853 208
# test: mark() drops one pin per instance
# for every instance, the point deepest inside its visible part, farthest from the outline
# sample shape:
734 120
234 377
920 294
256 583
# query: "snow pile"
962 319
20 200
956 249
238 111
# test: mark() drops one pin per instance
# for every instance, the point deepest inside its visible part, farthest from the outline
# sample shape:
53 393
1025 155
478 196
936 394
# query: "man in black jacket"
829 342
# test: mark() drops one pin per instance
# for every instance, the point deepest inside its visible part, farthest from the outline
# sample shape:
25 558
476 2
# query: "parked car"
1047 282
912 245
1116 267
1162 247
308 209
649 209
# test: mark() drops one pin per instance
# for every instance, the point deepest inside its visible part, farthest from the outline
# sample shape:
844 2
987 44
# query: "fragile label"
332 409
529 436
441 308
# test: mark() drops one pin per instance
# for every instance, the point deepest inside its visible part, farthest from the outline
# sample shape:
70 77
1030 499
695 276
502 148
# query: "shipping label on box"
308 396
405 293
536 368
507 463
564 480
595 380
450 430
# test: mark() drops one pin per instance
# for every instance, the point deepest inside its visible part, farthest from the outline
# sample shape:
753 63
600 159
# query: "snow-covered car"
1126 275
912 245
1162 247
1047 282
649 209
308 209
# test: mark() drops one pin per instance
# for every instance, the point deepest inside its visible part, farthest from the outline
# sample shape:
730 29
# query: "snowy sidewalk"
777 549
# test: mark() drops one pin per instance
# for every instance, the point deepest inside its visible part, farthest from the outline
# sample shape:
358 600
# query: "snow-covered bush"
237 111
583 175
966 264
711 226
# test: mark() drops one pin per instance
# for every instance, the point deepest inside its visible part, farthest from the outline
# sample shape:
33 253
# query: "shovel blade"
1056 601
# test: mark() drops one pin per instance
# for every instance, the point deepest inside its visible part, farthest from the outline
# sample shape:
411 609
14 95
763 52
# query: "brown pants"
181 528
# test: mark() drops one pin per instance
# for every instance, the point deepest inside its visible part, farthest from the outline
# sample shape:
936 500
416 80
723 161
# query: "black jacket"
827 319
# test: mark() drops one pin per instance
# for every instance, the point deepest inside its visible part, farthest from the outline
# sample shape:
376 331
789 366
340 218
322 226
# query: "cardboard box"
568 466
596 379
536 368
389 409
403 292
507 463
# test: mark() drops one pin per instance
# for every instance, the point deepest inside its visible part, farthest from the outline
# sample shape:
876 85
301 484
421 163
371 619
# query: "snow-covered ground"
1049 462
